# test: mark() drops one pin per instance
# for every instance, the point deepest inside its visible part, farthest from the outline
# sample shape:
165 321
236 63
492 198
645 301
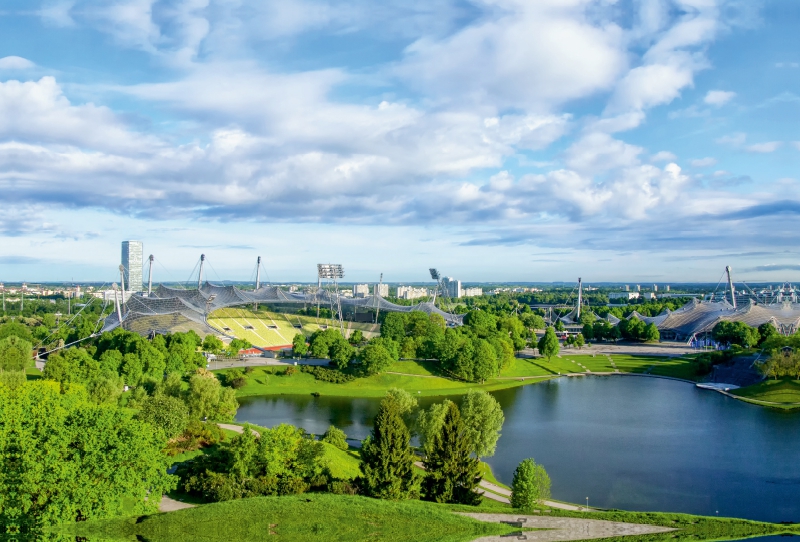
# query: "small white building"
473 292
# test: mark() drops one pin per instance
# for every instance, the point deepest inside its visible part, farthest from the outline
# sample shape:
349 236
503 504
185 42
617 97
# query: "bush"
342 487
196 435
336 437
327 375
235 378
290 370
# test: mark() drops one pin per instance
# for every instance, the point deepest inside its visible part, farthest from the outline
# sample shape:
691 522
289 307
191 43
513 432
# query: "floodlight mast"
435 275
332 272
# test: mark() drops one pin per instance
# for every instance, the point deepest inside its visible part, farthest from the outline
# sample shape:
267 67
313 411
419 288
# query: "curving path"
565 528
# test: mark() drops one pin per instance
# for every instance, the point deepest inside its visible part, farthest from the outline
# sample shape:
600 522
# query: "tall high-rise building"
453 287
132 262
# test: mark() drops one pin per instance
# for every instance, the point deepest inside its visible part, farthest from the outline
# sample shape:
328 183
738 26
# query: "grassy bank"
299 518
421 378
783 394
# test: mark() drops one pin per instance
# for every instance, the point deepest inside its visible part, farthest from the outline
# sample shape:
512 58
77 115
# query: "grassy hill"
270 329
307 517
783 393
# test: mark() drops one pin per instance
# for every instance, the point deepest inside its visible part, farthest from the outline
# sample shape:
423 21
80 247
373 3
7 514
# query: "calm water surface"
625 442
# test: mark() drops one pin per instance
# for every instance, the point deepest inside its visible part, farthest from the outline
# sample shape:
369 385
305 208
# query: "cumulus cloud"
718 97
704 162
663 156
764 148
15 63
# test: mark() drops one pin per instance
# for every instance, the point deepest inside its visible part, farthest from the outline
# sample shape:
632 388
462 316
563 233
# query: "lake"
625 442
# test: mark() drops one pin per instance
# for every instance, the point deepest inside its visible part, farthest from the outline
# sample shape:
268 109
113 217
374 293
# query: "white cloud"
15 63
718 97
37 111
57 13
704 162
787 64
526 54
736 139
764 148
796 145
663 156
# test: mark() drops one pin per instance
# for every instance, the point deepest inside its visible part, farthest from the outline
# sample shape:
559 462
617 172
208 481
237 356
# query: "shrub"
327 375
342 487
290 370
336 437
196 435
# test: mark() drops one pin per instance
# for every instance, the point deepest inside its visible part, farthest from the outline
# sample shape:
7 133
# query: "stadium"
172 309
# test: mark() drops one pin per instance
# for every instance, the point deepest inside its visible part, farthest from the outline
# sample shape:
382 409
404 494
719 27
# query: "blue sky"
516 140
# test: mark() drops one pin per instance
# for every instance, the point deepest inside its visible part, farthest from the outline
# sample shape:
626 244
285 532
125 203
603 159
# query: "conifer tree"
452 473
387 459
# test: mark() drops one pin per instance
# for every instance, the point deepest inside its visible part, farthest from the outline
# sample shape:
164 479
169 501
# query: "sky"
497 140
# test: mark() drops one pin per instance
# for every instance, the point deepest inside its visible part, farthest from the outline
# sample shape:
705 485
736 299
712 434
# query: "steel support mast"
730 285
150 277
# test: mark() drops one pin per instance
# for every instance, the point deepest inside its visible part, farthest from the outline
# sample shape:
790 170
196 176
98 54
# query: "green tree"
70 365
530 487
374 359
17 330
483 419
532 320
588 332
736 333
481 322
299 346
15 353
387 459
394 326
651 333
548 345
559 325
72 457
356 337
766 331
579 342
208 398
485 364
452 473
342 353
429 423
213 344
166 413
336 437
104 388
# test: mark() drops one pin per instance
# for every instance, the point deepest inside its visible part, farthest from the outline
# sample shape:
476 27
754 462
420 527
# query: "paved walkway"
565 528
505 496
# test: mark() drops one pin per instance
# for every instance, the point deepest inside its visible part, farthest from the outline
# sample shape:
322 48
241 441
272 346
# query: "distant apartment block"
132 262
624 295
473 292
410 292
382 289
361 290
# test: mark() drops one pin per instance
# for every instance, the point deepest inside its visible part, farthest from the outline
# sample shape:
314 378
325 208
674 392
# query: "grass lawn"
571 361
424 368
786 392
272 381
311 516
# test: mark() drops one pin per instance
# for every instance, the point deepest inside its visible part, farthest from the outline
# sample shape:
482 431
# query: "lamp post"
587 503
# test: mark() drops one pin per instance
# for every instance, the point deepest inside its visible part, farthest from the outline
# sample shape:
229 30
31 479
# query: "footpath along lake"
631 443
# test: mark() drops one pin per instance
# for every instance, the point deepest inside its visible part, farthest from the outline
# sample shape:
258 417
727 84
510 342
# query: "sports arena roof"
173 309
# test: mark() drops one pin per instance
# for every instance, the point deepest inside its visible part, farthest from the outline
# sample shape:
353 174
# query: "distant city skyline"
523 140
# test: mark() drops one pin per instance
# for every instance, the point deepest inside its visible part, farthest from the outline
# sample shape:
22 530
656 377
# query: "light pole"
587 503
